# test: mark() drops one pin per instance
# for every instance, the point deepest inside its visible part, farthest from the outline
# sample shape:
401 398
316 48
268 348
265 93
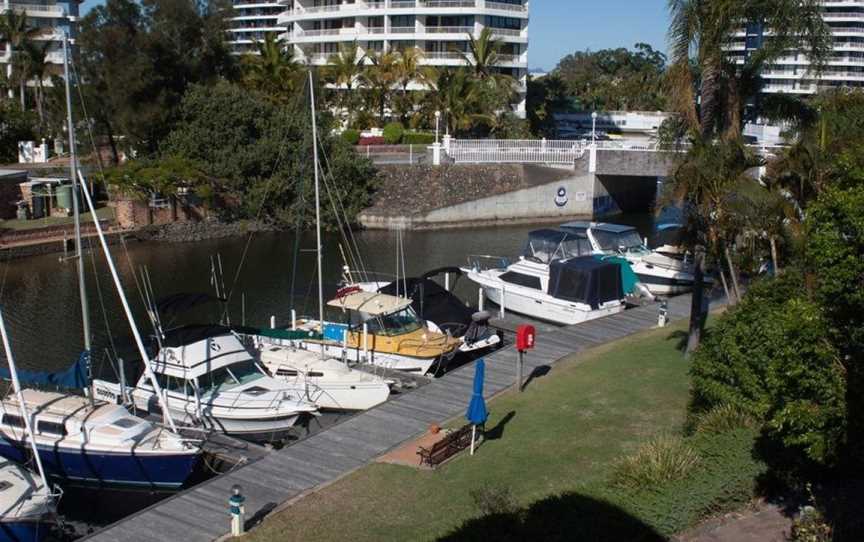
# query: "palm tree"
344 70
16 32
409 69
273 70
36 68
701 66
457 95
380 78
484 54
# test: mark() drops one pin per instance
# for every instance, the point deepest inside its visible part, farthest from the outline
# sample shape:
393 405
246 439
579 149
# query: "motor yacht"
212 380
552 280
660 273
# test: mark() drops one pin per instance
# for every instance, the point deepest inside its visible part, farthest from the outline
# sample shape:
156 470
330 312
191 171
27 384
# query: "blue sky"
559 27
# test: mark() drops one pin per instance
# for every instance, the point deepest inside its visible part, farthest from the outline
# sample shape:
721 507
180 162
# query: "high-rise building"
48 20
439 28
792 74
250 23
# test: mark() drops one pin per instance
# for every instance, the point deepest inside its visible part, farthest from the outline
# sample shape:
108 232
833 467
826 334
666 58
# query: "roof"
373 303
601 226
190 334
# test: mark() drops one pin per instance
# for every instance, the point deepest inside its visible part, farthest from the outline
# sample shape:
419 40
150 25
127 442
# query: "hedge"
393 133
417 138
352 137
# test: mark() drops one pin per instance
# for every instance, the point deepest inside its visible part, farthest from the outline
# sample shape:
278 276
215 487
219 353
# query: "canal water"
39 295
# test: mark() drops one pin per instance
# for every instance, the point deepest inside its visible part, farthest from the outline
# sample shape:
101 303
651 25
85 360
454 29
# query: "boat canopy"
585 280
580 226
545 246
373 303
73 377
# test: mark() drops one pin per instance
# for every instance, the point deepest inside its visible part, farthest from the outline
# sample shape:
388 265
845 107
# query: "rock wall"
425 197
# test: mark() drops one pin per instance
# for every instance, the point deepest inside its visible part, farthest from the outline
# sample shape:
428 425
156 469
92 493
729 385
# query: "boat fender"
644 291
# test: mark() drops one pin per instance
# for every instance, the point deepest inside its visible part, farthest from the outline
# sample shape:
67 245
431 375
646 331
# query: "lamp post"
437 123
593 128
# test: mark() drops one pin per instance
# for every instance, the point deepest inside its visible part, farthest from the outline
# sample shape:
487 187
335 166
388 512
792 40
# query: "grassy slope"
566 429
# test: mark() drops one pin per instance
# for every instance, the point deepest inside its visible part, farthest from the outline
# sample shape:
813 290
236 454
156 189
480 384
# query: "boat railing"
479 262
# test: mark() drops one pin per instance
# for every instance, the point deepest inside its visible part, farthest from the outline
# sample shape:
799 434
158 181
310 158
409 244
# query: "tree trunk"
39 106
21 90
694 336
732 271
109 131
725 285
774 259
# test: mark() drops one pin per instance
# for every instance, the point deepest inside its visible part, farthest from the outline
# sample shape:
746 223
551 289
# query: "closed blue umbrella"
477 413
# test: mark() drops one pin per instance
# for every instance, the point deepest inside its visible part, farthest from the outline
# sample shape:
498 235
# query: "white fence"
521 151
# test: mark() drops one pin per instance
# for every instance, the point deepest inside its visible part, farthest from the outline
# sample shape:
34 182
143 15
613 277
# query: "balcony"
449 29
36 10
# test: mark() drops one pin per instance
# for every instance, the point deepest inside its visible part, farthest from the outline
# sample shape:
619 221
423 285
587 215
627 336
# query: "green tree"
140 58
380 78
17 32
546 96
616 79
15 125
344 70
259 152
273 71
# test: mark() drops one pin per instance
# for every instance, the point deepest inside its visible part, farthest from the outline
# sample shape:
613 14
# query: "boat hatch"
372 303
4 485
256 391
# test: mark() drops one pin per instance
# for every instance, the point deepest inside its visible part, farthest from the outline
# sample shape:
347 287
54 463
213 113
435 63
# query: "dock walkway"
201 513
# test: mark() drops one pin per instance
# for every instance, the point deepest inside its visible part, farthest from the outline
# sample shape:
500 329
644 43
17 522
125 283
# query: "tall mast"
317 210
73 172
21 404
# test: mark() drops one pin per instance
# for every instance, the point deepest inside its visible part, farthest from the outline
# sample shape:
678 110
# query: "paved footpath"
201 513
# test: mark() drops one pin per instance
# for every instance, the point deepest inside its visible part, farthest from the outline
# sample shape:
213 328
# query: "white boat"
211 380
660 273
26 504
552 280
329 383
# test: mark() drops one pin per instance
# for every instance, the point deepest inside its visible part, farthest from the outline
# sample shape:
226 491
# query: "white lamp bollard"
480 299
272 322
238 511
663 314
293 319
501 309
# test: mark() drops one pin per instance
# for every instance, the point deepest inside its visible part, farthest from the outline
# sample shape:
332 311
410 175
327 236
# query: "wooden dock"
201 513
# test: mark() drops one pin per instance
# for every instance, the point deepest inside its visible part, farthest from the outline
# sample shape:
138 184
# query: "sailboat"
27 504
382 330
82 439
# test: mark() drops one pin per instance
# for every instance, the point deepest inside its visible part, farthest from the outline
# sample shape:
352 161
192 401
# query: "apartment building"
792 74
440 28
251 21
51 20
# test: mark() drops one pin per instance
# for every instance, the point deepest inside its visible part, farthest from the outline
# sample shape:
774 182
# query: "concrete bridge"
475 182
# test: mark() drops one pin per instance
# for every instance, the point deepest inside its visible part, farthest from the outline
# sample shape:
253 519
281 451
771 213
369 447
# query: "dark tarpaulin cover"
74 377
585 280
432 302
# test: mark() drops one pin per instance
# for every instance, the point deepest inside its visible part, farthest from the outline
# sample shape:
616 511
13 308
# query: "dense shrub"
418 138
659 460
770 358
371 140
352 137
494 500
393 133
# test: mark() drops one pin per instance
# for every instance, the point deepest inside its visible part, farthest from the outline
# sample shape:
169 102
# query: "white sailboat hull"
395 362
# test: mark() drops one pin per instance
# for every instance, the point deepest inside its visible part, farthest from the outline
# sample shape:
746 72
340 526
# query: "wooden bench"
452 443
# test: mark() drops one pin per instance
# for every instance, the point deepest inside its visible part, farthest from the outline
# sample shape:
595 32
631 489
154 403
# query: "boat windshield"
397 323
629 241
225 378
547 250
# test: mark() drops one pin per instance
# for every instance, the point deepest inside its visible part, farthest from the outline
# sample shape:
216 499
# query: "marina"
282 475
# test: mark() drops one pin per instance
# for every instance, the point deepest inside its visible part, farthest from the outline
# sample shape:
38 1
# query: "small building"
10 192
47 196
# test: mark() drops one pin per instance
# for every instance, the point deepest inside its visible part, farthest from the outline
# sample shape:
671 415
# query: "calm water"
40 296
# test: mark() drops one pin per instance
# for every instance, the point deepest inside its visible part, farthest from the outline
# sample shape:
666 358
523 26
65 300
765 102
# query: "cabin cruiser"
26 505
442 311
661 274
329 383
210 379
553 280
382 330
95 442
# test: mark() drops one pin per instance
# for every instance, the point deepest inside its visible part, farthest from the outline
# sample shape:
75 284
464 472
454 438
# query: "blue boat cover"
585 280
74 377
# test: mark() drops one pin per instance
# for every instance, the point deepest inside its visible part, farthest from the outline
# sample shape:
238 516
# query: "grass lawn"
563 434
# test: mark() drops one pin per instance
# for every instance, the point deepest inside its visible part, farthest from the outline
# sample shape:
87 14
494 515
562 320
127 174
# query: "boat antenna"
317 210
131 319
73 173
21 404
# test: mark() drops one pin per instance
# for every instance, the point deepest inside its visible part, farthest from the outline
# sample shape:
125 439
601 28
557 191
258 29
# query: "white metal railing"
447 3
505 7
403 29
42 8
523 151
506 32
